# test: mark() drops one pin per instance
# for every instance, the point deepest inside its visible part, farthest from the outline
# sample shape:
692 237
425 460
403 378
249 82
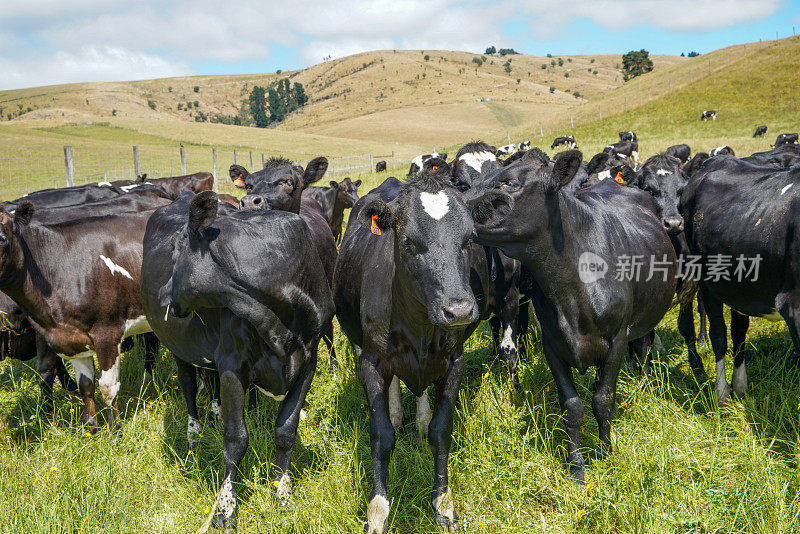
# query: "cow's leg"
395 403
84 376
701 309
508 345
46 362
187 377
234 445
790 311
605 393
571 408
66 380
494 324
211 381
286 428
424 416
719 342
381 442
440 437
523 323
327 336
739 325
108 362
686 329
150 352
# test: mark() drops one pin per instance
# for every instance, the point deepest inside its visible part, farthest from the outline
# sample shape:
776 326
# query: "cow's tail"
685 292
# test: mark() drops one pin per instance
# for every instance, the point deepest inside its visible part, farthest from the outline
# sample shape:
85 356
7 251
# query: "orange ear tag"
374 226
433 168
618 178
239 182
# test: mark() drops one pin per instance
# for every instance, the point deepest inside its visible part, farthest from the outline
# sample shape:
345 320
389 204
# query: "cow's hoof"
282 489
220 524
446 524
578 474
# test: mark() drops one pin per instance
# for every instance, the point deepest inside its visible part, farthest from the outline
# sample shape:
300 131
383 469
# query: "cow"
279 186
785 139
417 162
333 201
782 157
682 152
175 185
744 211
709 114
78 281
694 164
760 131
525 145
628 136
567 140
471 161
66 196
604 166
507 150
380 166
567 239
721 151
625 148
411 320
223 293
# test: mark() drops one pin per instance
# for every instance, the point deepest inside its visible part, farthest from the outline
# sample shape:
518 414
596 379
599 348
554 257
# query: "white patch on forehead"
114 268
477 159
603 175
436 205
662 172
717 150
786 188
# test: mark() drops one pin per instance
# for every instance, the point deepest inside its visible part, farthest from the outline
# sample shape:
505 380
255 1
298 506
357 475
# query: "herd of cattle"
242 292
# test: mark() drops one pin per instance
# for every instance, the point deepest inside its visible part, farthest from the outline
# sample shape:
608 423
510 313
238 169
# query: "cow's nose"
673 225
459 312
252 202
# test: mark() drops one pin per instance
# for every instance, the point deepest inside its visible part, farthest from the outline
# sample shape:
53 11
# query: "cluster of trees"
271 105
690 54
503 51
636 63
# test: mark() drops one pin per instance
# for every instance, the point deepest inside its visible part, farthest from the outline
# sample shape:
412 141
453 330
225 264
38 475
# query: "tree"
507 67
196 88
276 108
258 106
693 54
427 57
300 94
490 50
636 63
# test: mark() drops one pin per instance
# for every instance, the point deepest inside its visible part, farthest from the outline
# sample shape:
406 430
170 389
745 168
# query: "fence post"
690 76
393 163
508 136
670 85
371 164
626 105
600 111
709 66
183 161
69 165
214 167
745 50
541 131
572 121
252 164
137 166
263 160
235 162
648 93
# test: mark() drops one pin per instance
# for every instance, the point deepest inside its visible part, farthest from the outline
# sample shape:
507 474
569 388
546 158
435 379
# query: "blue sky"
56 41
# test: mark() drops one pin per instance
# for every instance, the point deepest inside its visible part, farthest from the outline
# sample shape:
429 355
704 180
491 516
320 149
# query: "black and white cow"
525 145
403 295
628 136
722 151
709 114
380 166
507 150
682 152
785 139
626 148
333 201
223 293
760 130
417 162
472 160
570 240
567 140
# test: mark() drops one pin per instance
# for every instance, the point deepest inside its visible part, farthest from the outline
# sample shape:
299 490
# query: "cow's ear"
315 170
491 205
357 182
597 161
202 211
141 178
237 172
567 165
23 213
443 156
334 184
378 216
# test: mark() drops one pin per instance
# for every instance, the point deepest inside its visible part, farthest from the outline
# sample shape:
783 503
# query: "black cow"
175 185
626 148
411 320
709 114
417 162
604 166
333 201
223 293
568 239
380 166
760 130
782 157
682 152
740 210
628 136
694 164
785 139
567 140
66 196
724 150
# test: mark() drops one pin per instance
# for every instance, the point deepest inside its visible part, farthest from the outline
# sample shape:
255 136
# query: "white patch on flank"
662 172
227 499
377 514
507 343
395 407
109 383
284 489
83 366
215 411
477 159
424 415
104 184
193 430
786 188
268 394
603 175
444 505
136 326
114 268
773 316
436 205
127 188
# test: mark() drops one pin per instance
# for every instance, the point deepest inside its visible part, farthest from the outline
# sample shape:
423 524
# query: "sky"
44 42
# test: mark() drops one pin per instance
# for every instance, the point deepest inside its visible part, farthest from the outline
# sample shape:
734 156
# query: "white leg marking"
435 205
377 514
83 367
109 383
215 411
424 415
283 488
193 430
444 505
227 499
395 407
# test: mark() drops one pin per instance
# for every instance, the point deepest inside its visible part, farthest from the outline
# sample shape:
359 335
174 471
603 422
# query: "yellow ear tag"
374 226
618 178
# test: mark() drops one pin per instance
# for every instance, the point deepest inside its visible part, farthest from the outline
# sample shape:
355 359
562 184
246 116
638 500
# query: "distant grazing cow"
785 139
411 322
380 166
760 130
333 201
224 292
525 145
587 314
625 148
417 162
67 196
175 185
79 282
628 136
709 114
781 157
567 140
722 151
507 150
681 152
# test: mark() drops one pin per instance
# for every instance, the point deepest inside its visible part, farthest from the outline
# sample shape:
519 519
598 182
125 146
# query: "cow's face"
346 191
432 232
663 177
468 167
12 257
281 183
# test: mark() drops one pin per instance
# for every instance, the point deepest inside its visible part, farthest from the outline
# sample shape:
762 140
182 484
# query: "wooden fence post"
541 131
69 166
572 121
183 161
252 164
371 164
137 166
600 111
263 160
670 84
626 105
214 167
235 162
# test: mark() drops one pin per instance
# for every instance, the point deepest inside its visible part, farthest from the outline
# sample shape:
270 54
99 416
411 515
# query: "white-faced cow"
507 150
760 131
682 152
567 140
628 136
785 139
571 241
525 145
223 293
724 150
417 162
709 114
333 201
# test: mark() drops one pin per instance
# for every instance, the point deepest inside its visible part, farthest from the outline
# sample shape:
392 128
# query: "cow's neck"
23 288
337 213
331 195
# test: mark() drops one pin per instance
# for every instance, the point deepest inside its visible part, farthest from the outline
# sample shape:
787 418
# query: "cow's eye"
510 185
3 239
408 245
